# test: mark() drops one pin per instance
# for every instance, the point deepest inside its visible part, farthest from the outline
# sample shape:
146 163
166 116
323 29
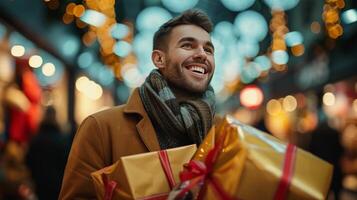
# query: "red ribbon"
165 164
289 162
199 172
109 187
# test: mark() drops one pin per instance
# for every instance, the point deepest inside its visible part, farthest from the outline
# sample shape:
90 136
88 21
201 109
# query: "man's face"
189 58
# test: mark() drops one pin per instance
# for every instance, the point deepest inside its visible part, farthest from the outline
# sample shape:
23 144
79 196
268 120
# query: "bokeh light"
251 24
18 50
349 16
48 69
119 31
273 107
328 99
289 103
237 5
93 18
293 38
179 5
281 4
85 59
251 97
151 18
122 48
280 57
263 62
35 61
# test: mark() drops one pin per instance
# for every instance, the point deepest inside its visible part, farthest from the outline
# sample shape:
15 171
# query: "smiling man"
175 106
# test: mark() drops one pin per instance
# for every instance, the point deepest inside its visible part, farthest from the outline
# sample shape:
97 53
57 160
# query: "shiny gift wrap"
142 176
237 161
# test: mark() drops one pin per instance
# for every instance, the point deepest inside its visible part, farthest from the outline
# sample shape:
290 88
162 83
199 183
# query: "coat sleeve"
86 156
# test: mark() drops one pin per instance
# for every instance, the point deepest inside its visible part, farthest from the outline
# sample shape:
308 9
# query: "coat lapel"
144 126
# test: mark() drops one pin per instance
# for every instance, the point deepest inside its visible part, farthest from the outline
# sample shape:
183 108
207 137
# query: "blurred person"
47 155
325 143
175 106
25 94
349 160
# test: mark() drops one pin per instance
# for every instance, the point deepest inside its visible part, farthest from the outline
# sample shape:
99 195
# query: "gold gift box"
249 166
141 176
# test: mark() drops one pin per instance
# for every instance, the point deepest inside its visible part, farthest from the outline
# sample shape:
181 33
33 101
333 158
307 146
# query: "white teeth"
198 69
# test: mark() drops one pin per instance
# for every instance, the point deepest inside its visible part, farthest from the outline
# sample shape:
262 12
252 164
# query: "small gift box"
237 161
143 176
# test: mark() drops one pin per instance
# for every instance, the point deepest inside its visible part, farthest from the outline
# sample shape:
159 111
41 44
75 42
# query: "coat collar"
144 126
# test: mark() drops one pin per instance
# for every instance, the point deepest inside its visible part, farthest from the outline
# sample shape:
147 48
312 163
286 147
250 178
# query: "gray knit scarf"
176 123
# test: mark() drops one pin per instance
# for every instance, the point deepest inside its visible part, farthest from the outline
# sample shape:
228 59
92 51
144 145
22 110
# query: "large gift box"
143 176
237 161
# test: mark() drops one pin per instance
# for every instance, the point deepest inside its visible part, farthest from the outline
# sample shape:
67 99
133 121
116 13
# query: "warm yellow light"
67 18
48 69
35 61
88 38
335 31
273 107
70 7
89 88
17 50
95 91
298 50
81 83
78 10
354 105
331 16
80 23
329 99
289 103
315 27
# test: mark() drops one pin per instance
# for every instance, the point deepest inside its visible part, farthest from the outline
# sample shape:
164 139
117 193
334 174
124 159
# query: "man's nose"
200 54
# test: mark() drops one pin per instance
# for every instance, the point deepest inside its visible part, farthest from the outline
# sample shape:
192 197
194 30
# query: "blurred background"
287 67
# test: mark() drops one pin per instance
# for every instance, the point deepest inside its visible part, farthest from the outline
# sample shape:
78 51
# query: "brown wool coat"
101 140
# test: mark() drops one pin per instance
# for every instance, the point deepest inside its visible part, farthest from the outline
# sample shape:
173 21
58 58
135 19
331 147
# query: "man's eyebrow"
191 39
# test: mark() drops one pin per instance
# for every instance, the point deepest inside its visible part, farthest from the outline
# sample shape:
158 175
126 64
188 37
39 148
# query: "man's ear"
158 58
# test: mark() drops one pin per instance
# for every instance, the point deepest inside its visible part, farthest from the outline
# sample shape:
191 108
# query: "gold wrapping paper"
140 176
249 166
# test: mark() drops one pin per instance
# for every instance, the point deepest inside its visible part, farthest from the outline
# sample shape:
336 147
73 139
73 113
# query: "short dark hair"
191 16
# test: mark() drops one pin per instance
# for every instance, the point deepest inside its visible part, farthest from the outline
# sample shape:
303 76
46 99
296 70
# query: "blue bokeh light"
93 17
119 31
247 48
224 32
281 4
122 48
151 18
293 38
280 57
263 62
85 59
179 5
252 25
349 16
237 5
70 46
105 76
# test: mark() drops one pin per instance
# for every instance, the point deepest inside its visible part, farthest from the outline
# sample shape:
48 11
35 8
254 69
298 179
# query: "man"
174 106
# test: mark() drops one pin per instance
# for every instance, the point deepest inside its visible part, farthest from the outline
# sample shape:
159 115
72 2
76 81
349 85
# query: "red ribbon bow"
201 172
109 187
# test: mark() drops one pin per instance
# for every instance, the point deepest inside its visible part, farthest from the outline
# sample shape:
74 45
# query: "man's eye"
187 45
209 50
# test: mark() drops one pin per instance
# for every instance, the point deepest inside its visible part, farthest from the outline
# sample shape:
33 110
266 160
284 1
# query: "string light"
330 15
